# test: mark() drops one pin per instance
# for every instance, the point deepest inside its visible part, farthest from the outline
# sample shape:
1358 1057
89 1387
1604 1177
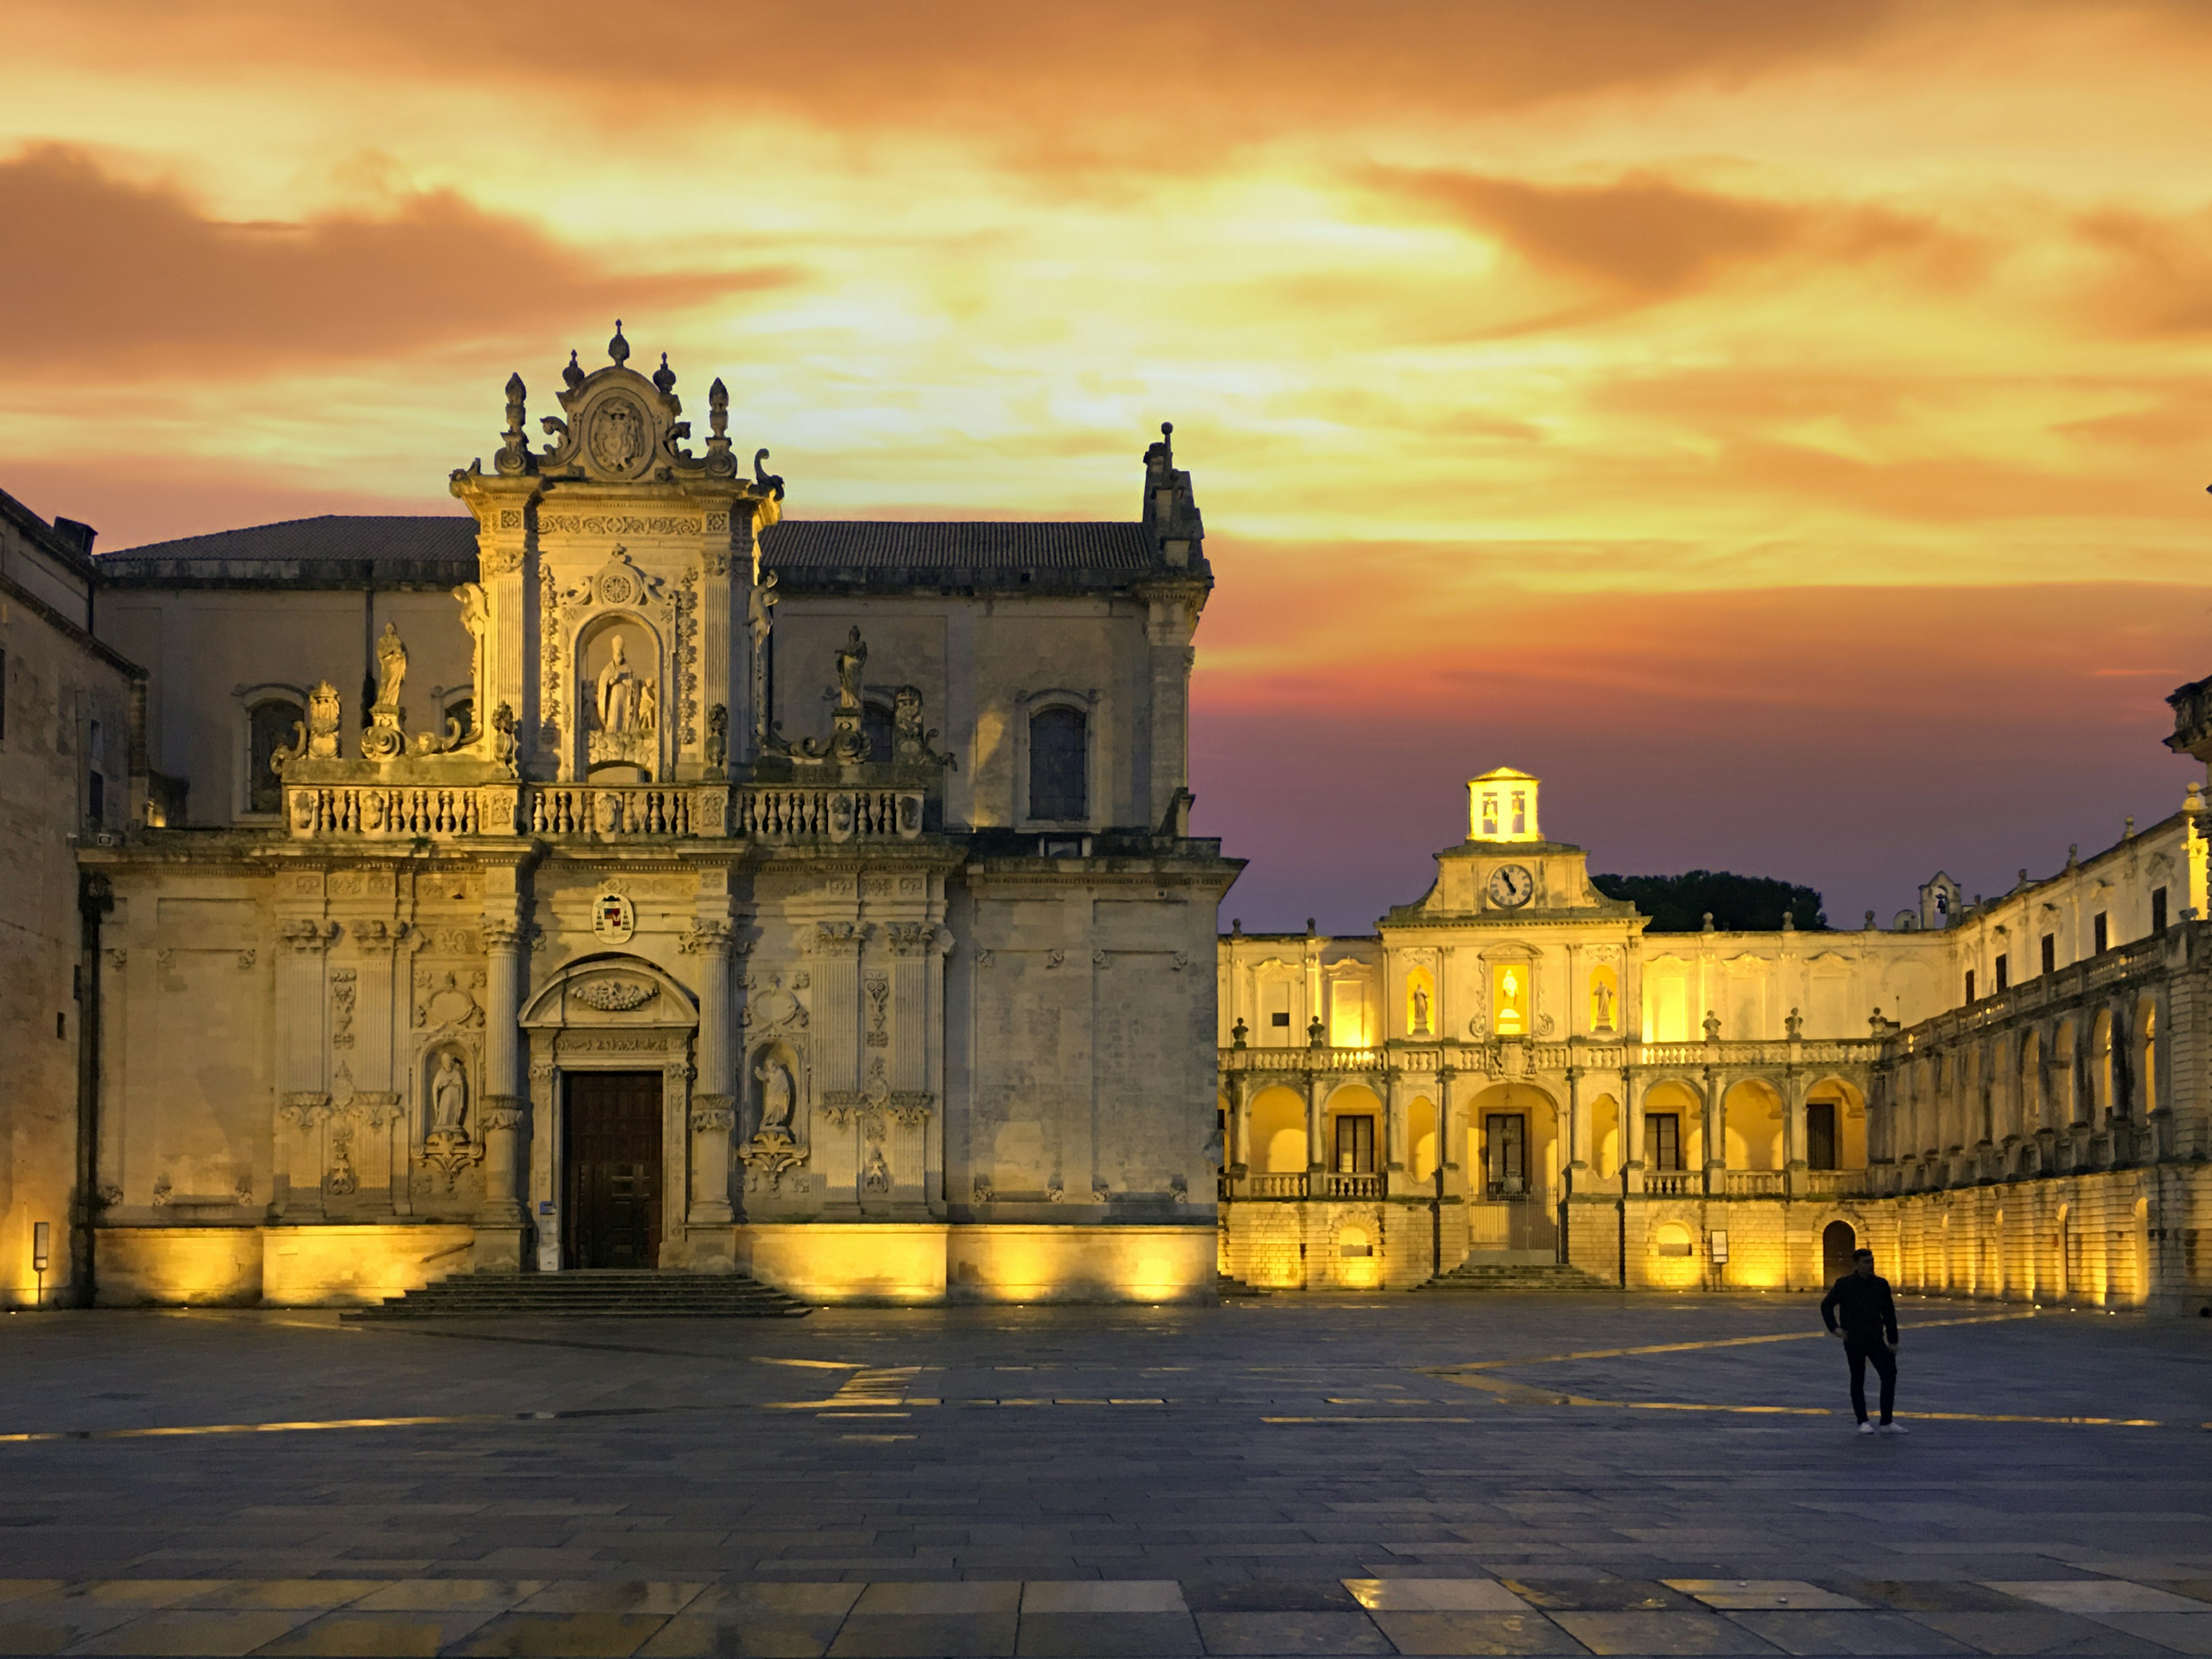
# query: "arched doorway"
1838 1240
1513 1148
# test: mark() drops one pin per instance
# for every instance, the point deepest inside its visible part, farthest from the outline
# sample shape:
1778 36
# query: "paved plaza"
1428 1474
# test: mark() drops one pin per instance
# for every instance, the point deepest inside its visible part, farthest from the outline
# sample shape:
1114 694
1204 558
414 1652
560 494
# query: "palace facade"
2008 1098
623 875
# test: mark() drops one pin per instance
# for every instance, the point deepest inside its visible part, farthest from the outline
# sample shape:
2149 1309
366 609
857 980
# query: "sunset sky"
1782 427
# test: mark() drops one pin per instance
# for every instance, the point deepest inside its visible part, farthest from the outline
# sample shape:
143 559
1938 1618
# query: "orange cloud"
120 278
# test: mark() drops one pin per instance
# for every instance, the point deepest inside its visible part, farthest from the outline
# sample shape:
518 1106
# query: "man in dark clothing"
1859 1309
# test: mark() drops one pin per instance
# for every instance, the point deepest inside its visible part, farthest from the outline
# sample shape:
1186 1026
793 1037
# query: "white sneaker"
1894 1428
1866 1428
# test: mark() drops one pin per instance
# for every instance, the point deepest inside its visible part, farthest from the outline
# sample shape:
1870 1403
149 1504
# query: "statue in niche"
449 1096
619 691
775 1100
1602 1006
1420 1011
758 598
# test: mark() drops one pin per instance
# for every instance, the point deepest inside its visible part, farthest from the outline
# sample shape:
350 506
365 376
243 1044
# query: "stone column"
504 1116
1716 1118
1316 1122
1579 1128
1631 1130
1395 1158
714 1107
1236 1156
1793 1133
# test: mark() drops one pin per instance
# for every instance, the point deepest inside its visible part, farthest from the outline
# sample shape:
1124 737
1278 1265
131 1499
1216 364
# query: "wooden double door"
611 1208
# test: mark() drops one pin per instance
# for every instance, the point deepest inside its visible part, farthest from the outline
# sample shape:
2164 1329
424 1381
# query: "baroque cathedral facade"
626 876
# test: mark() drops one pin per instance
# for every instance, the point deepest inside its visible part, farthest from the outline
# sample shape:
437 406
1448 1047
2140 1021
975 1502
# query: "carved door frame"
569 1030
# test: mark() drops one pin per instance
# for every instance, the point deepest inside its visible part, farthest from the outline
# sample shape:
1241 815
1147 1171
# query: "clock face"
1511 886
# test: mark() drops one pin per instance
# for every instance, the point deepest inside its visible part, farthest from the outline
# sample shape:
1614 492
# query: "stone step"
595 1294
1226 1285
1515 1276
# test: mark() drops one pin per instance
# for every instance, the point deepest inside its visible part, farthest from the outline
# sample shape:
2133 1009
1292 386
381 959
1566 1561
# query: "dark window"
2096 934
1355 1145
1058 746
876 727
1505 1163
1820 1135
2050 953
97 792
1280 1017
2004 973
1969 985
1665 1133
273 727
2158 909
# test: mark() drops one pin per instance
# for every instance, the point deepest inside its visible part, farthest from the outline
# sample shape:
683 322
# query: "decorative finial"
515 448
665 377
718 408
770 482
2128 827
574 375
618 347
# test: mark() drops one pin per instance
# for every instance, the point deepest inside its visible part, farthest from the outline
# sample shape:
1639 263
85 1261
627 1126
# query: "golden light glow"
1508 1002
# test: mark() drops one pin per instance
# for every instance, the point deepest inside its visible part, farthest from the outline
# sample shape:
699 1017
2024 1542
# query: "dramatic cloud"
121 277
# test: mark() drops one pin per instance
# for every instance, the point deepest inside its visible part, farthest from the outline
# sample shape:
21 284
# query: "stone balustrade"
377 812
1510 1058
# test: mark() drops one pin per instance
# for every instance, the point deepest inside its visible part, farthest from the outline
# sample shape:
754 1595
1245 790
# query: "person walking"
1859 1308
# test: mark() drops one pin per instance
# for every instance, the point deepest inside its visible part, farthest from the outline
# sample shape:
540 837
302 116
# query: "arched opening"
273 727
2100 1063
1838 1240
1513 1155
1279 1133
1512 997
1751 1122
1673 1135
1351 1131
1421 1134
2029 1082
1059 788
2145 1054
1605 1147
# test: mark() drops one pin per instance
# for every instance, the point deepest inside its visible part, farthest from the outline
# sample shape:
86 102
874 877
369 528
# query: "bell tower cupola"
1501 805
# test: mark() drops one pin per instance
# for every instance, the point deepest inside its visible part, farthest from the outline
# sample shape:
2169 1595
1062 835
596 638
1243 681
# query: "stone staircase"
599 1293
1229 1288
1475 1275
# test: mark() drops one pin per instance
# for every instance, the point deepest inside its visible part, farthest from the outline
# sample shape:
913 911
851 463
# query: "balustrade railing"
1510 1059
1350 1186
1835 1183
600 811
1277 1186
1754 1184
1670 1183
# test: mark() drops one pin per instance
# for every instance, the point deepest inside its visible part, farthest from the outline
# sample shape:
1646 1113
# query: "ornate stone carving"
876 1176
877 1090
162 1192
832 938
1101 960
1054 958
908 938
984 958
687 658
615 995
246 958
707 938
879 991
1057 1193
982 1190
911 744
117 956
569 524
706 1118
378 938
302 1110
718 736
307 937
911 1105
341 999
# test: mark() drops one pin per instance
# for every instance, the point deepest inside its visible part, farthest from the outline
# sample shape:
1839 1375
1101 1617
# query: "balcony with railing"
768 813
1510 1058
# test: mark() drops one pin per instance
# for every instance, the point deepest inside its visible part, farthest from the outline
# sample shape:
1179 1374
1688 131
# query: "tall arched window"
1059 765
272 726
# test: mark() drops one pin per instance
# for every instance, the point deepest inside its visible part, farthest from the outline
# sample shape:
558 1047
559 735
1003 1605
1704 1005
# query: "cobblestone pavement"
1426 1474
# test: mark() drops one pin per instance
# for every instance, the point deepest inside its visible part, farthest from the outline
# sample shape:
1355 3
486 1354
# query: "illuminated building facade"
2007 1099
625 875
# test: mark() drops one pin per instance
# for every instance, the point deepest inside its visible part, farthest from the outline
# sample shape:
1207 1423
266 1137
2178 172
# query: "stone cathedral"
630 878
